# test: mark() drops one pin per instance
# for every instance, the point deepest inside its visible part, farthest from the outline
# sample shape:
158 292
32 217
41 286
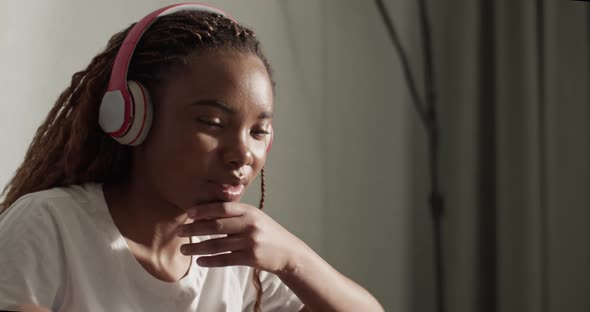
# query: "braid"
64 147
70 148
256 276
262 189
258 286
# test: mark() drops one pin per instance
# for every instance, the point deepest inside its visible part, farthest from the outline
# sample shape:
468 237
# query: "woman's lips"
232 189
228 192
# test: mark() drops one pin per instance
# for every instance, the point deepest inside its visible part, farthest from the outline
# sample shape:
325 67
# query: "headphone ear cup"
142 115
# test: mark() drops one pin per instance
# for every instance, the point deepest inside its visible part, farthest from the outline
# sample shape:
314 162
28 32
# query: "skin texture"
174 189
184 151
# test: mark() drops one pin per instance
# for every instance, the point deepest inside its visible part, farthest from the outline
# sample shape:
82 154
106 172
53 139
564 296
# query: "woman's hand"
253 238
256 240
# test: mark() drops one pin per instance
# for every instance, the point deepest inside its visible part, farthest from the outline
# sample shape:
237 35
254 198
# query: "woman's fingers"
228 259
216 245
253 238
213 227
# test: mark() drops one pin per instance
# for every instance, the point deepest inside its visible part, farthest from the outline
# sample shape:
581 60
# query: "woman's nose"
237 152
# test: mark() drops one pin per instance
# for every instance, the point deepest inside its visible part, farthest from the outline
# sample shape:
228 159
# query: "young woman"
137 208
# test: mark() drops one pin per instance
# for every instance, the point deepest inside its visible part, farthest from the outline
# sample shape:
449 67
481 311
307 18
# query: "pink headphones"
126 110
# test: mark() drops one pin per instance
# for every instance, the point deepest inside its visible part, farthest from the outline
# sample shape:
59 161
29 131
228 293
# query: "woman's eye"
210 122
259 134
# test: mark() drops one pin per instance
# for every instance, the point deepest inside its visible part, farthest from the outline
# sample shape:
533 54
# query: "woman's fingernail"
191 213
184 249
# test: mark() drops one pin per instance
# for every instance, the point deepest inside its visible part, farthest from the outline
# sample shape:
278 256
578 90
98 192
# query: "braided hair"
70 148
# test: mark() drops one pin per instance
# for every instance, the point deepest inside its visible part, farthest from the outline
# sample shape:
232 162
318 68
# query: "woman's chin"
216 199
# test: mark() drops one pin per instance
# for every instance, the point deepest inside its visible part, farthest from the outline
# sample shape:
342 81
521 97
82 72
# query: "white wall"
367 124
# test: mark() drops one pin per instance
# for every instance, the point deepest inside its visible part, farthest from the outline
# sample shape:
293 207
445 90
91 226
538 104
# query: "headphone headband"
116 111
126 110
118 80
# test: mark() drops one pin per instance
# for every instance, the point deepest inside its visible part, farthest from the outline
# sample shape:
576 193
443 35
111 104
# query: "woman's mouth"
227 192
232 189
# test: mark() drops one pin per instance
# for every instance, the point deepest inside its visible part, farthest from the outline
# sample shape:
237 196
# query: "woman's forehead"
238 80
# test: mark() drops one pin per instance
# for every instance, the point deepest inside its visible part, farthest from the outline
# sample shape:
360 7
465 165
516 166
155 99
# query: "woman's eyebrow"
226 108
265 115
214 103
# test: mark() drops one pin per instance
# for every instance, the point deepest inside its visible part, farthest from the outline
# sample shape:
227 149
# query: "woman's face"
210 131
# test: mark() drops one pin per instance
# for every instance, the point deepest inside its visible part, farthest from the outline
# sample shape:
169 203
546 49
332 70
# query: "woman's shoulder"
78 192
47 207
32 244
38 221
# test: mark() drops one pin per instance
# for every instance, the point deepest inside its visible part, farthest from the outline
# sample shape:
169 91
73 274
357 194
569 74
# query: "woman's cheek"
203 143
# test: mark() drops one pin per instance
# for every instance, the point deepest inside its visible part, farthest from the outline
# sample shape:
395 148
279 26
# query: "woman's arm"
322 288
256 240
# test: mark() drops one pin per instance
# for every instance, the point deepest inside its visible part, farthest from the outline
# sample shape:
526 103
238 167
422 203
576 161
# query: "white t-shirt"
60 248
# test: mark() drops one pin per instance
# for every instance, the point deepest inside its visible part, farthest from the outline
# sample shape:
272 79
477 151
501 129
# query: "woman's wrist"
321 287
298 259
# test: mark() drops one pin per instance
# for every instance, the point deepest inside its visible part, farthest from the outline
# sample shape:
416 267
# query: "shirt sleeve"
29 265
276 296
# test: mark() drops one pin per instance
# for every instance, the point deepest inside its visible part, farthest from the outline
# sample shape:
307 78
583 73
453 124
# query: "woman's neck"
143 217
149 224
